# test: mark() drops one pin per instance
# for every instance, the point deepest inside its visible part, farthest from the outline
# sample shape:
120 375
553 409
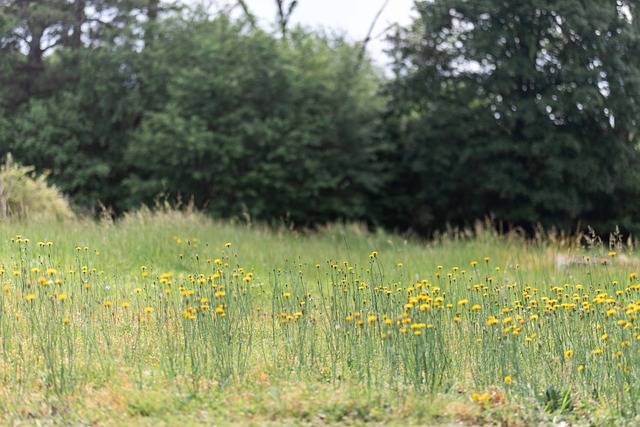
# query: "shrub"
23 194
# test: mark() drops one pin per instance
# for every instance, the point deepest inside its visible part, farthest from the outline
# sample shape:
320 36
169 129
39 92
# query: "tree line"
525 113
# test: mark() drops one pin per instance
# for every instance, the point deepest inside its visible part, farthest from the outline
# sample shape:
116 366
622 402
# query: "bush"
23 194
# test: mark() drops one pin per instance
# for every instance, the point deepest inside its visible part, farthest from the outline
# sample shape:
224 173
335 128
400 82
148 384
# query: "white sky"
351 16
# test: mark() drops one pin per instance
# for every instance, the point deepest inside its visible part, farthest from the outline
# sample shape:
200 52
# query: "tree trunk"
284 13
35 64
78 19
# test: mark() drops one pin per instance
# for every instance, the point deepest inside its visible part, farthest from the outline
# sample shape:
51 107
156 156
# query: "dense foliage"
526 112
250 124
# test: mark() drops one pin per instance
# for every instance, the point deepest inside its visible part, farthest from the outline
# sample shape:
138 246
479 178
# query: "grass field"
171 318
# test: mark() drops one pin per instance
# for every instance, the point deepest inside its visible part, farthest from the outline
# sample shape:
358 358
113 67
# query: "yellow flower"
474 263
492 321
148 310
125 305
581 368
228 245
286 294
476 307
475 397
463 302
65 320
568 354
62 297
371 319
108 303
52 271
373 254
507 380
30 297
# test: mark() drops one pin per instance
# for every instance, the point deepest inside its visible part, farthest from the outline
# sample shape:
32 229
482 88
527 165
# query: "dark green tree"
245 123
28 31
70 94
524 110
80 134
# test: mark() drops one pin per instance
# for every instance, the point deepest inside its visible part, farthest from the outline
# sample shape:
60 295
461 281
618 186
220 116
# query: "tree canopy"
190 105
523 112
261 127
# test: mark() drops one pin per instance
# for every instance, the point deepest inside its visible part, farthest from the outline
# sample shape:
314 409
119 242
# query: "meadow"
173 318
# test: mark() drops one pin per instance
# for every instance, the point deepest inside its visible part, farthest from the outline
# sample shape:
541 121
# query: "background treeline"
525 112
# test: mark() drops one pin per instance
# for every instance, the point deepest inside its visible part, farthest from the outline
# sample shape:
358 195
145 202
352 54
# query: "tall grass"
170 300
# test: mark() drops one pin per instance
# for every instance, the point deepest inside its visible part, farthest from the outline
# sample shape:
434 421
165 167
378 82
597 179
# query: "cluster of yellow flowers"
487 308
